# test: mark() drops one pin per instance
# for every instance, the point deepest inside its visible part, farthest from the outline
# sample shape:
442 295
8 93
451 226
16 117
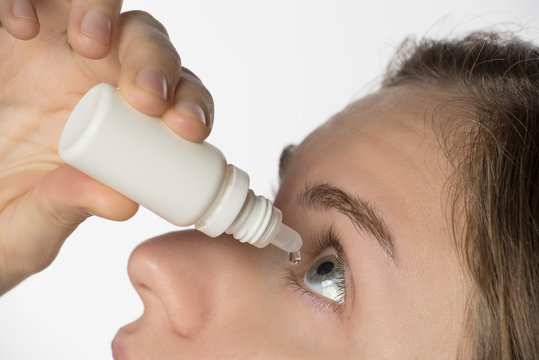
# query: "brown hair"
497 172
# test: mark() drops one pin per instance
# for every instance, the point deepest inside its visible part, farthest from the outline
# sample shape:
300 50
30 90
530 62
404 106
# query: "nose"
186 273
164 272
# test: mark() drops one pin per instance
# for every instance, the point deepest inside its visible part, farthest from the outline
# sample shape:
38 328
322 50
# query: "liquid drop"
294 257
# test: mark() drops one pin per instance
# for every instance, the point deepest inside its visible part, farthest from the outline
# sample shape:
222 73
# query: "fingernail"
23 9
152 80
191 109
97 25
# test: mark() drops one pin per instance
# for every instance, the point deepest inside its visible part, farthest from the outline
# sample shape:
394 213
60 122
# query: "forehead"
389 130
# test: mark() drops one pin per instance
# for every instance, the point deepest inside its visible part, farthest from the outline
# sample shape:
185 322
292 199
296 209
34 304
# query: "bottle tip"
287 239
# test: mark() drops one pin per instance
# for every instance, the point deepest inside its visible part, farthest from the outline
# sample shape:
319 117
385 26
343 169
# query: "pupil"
325 268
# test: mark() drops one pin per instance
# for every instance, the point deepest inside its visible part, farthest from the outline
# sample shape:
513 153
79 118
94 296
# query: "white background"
277 69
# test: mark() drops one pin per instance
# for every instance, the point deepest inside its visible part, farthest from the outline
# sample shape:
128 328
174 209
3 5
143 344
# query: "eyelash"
324 241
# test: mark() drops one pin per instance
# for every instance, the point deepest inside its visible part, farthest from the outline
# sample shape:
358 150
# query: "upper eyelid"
322 240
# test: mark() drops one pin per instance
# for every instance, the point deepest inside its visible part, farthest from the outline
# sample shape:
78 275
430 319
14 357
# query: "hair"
496 77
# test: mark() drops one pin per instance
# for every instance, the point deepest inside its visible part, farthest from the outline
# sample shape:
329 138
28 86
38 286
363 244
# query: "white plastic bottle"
184 182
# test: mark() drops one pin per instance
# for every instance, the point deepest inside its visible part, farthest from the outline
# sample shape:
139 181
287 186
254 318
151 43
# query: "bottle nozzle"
287 239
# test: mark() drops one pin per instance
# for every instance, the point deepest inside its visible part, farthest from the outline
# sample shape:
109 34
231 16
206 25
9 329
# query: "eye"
326 278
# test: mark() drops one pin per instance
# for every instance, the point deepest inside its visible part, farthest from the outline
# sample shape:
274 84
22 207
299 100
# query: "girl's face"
379 277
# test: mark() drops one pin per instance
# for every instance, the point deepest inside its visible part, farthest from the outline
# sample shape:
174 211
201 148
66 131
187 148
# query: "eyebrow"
284 159
361 213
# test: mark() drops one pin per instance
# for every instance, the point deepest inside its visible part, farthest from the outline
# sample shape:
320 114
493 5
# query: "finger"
151 77
91 26
19 18
191 117
40 222
150 65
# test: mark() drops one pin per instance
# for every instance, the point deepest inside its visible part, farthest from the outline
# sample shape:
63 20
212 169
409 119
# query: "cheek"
279 324
319 336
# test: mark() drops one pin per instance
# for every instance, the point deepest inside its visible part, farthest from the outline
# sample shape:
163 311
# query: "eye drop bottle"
184 182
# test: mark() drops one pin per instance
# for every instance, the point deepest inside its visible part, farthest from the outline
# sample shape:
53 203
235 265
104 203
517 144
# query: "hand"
51 53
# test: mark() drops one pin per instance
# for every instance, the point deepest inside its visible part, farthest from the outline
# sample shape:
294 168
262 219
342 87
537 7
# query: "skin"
218 299
50 56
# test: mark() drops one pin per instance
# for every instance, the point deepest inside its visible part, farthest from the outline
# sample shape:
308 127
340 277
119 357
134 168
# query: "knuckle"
189 74
143 36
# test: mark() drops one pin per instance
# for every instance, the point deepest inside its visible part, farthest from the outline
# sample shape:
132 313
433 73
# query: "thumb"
34 227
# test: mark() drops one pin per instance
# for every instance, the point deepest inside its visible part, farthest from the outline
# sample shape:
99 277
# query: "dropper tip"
287 239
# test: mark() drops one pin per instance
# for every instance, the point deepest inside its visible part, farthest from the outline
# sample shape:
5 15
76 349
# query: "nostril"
143 290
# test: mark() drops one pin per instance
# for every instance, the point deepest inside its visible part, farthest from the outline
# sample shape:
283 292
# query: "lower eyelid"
311 298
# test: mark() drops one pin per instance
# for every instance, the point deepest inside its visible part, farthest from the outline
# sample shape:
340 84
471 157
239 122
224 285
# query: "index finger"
152 78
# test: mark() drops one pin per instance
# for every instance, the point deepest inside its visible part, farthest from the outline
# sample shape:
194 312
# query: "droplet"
294 257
